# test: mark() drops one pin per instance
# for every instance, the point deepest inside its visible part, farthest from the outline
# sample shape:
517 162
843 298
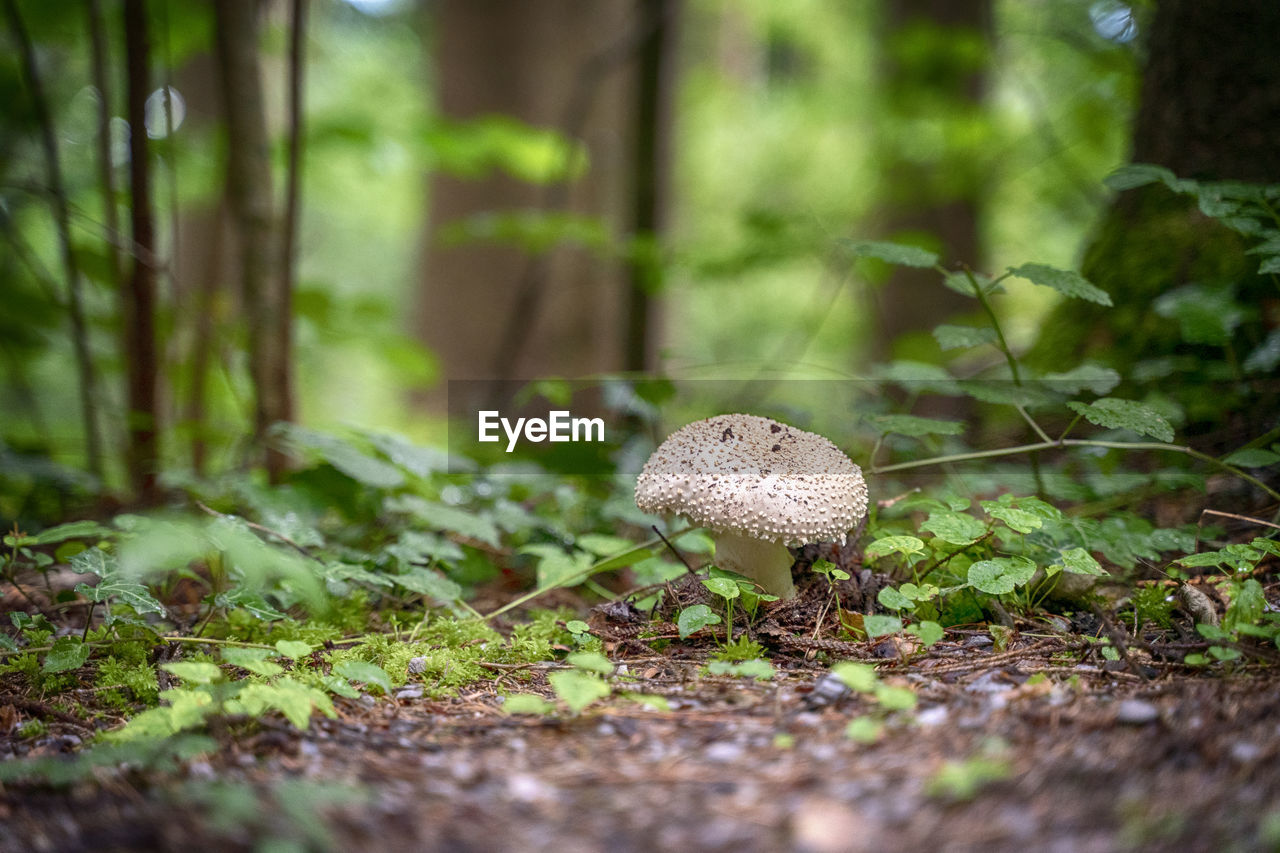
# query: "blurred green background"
531 190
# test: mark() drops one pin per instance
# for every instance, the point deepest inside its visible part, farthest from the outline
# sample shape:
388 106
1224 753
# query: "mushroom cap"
756 477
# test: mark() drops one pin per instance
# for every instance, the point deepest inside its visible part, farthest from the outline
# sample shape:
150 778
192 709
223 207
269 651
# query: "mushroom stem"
766 563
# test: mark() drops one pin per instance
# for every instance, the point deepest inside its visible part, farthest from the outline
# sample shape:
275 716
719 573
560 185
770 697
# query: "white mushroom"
759 486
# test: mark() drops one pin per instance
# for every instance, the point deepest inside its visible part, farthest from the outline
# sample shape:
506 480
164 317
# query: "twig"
32 706
1081 442
261 528
576 577
673 550
1118 639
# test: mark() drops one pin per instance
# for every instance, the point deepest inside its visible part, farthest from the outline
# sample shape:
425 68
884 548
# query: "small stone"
1136 712
723 752
417 665
821 825
933 716
1244 752
411 692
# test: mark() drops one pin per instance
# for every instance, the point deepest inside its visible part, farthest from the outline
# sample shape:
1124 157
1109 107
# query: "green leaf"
1114 413
894 253
760 670
71 530
426 581
695 618
239 598
343 456
369 673
880 625
1066 282
295 649
894 600
626 558
603 545
1203 560
915 426
194 671
895 698
527 703
578 689
1141 174
591 661
928 632
956 528
723 587
254 660
424 548
864 730
1016 519
440 516
1247 605
1001 575
1253 457
951 337
557 567
291 698
1086 377
858 677
67 653
893 545
1078 561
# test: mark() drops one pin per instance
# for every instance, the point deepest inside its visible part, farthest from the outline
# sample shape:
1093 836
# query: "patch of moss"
137 677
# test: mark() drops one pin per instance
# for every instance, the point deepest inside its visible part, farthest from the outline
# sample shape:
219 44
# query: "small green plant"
862 678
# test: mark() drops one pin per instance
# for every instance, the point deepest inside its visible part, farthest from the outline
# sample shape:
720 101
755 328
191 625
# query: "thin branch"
62 225
578 577
673 550
1082 442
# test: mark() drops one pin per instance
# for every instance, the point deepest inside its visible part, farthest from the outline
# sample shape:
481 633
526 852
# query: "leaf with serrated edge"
1114 413
1066 282
895 253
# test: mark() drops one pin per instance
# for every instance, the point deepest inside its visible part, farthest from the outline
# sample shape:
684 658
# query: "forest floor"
1095 756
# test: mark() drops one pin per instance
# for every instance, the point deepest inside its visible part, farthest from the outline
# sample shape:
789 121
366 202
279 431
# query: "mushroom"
759 486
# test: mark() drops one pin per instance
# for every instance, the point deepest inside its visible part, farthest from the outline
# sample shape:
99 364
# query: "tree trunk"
650 176
1209 109
492 310
138 298
266 301
62 227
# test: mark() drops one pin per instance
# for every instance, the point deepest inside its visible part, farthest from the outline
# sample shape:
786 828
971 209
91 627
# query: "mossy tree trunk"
1209 109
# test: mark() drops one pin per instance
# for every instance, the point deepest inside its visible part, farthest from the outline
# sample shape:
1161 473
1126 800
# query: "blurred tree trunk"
936 58
650 175
138 298
266 299
87 374
1209 109
492 310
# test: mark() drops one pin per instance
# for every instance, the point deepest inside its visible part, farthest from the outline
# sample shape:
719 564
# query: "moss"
138 677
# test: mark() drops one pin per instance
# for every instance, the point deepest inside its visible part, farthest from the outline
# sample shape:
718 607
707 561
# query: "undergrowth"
361 574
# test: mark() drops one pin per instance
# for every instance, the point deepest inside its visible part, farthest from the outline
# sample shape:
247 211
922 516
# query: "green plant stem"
165 638
579 576
1082 442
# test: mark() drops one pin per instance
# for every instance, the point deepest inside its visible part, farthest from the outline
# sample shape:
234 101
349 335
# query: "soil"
1094 756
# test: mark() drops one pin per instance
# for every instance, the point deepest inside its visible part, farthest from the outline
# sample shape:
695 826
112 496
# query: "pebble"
1136 712
724 752
417 665
413 692
932 716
